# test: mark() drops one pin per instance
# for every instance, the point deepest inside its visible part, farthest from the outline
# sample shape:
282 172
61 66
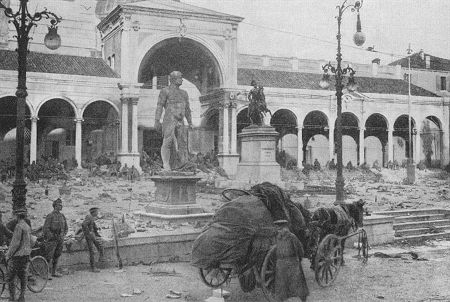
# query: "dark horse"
337 220
257 106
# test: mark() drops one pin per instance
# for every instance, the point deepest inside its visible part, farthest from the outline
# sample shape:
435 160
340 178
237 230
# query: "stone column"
134 126
331 142
78 141
226 137
124 119
129 93
390 143
300 147
33 140
417 147
445 148
233 128
361 145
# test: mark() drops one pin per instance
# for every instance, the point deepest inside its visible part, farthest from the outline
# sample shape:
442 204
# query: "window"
113 61
109 61
443 83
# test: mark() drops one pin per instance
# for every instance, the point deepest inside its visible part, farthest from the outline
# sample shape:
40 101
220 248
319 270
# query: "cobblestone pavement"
381 279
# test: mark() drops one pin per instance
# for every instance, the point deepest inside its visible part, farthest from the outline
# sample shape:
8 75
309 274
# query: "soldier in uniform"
18 255
92 236
55 229
175 102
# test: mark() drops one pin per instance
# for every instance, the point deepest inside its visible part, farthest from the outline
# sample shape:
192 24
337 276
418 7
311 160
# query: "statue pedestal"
258 149
175 197
131 159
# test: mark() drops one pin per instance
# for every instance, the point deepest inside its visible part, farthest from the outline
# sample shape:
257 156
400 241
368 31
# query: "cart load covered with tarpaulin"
242 230
234 229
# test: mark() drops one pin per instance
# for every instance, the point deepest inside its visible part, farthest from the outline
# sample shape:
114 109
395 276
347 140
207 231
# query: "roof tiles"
59 64
298 80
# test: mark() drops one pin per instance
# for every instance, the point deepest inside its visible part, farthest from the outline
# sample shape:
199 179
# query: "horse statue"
257 107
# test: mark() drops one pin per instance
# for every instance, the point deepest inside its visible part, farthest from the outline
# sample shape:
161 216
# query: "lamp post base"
410 172
19 194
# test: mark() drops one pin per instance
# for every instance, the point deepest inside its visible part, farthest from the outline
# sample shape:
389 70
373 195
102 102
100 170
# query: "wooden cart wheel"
328 260
268 271
230 194
215 277
363 246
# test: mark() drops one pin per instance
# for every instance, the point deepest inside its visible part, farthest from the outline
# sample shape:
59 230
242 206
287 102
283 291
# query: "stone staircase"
417 225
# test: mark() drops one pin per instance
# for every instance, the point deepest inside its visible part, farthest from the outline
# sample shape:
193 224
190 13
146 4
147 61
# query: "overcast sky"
389 25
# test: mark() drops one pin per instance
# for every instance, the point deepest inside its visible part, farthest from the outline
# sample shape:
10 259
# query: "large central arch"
197 63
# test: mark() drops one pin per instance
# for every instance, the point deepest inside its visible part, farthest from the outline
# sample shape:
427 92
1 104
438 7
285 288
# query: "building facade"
99 96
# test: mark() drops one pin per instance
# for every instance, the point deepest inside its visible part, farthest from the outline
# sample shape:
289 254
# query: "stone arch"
285 123
350 137
242 119
315 136
98 100
401 138
100 130
152 44
55 113
68 100
8 124
27 101
431 149
376 139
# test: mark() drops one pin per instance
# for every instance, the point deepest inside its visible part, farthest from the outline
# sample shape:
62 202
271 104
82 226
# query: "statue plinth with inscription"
258 149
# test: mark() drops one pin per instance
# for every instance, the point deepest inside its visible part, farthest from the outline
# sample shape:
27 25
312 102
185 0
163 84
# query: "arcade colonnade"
369 134
56 127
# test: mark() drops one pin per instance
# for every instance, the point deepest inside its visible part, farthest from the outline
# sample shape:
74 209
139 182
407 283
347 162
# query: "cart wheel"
215 277
363 246
268 271
230 194
328 260
37 274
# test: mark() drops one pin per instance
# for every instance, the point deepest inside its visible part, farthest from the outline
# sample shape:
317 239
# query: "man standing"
175 102
92 236
18 255
55 229
290 280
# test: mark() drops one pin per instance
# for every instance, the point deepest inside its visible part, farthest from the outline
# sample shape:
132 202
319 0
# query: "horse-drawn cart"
241 241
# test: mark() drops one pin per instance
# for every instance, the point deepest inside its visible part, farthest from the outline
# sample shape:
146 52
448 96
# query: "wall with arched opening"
373 150
100 131
56 115
8 122
431 141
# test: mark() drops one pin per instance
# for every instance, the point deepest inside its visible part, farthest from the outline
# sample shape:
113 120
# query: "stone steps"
420 224
415 225
420 231
414 212
414 218
423 237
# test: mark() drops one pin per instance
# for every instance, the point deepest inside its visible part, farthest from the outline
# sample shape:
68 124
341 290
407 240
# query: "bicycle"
38 271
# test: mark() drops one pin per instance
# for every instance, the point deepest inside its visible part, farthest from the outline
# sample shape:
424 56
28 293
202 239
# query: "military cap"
57 201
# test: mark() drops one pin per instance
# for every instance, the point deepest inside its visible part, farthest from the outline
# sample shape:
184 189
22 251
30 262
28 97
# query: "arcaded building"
97 94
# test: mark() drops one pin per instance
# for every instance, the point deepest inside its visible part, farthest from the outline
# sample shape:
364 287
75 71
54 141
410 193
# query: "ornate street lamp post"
339 73
23 22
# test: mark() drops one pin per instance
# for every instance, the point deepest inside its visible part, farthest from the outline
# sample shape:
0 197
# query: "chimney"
427 62
375 64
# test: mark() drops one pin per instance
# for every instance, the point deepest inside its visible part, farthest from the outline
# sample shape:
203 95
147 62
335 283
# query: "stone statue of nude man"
175 102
